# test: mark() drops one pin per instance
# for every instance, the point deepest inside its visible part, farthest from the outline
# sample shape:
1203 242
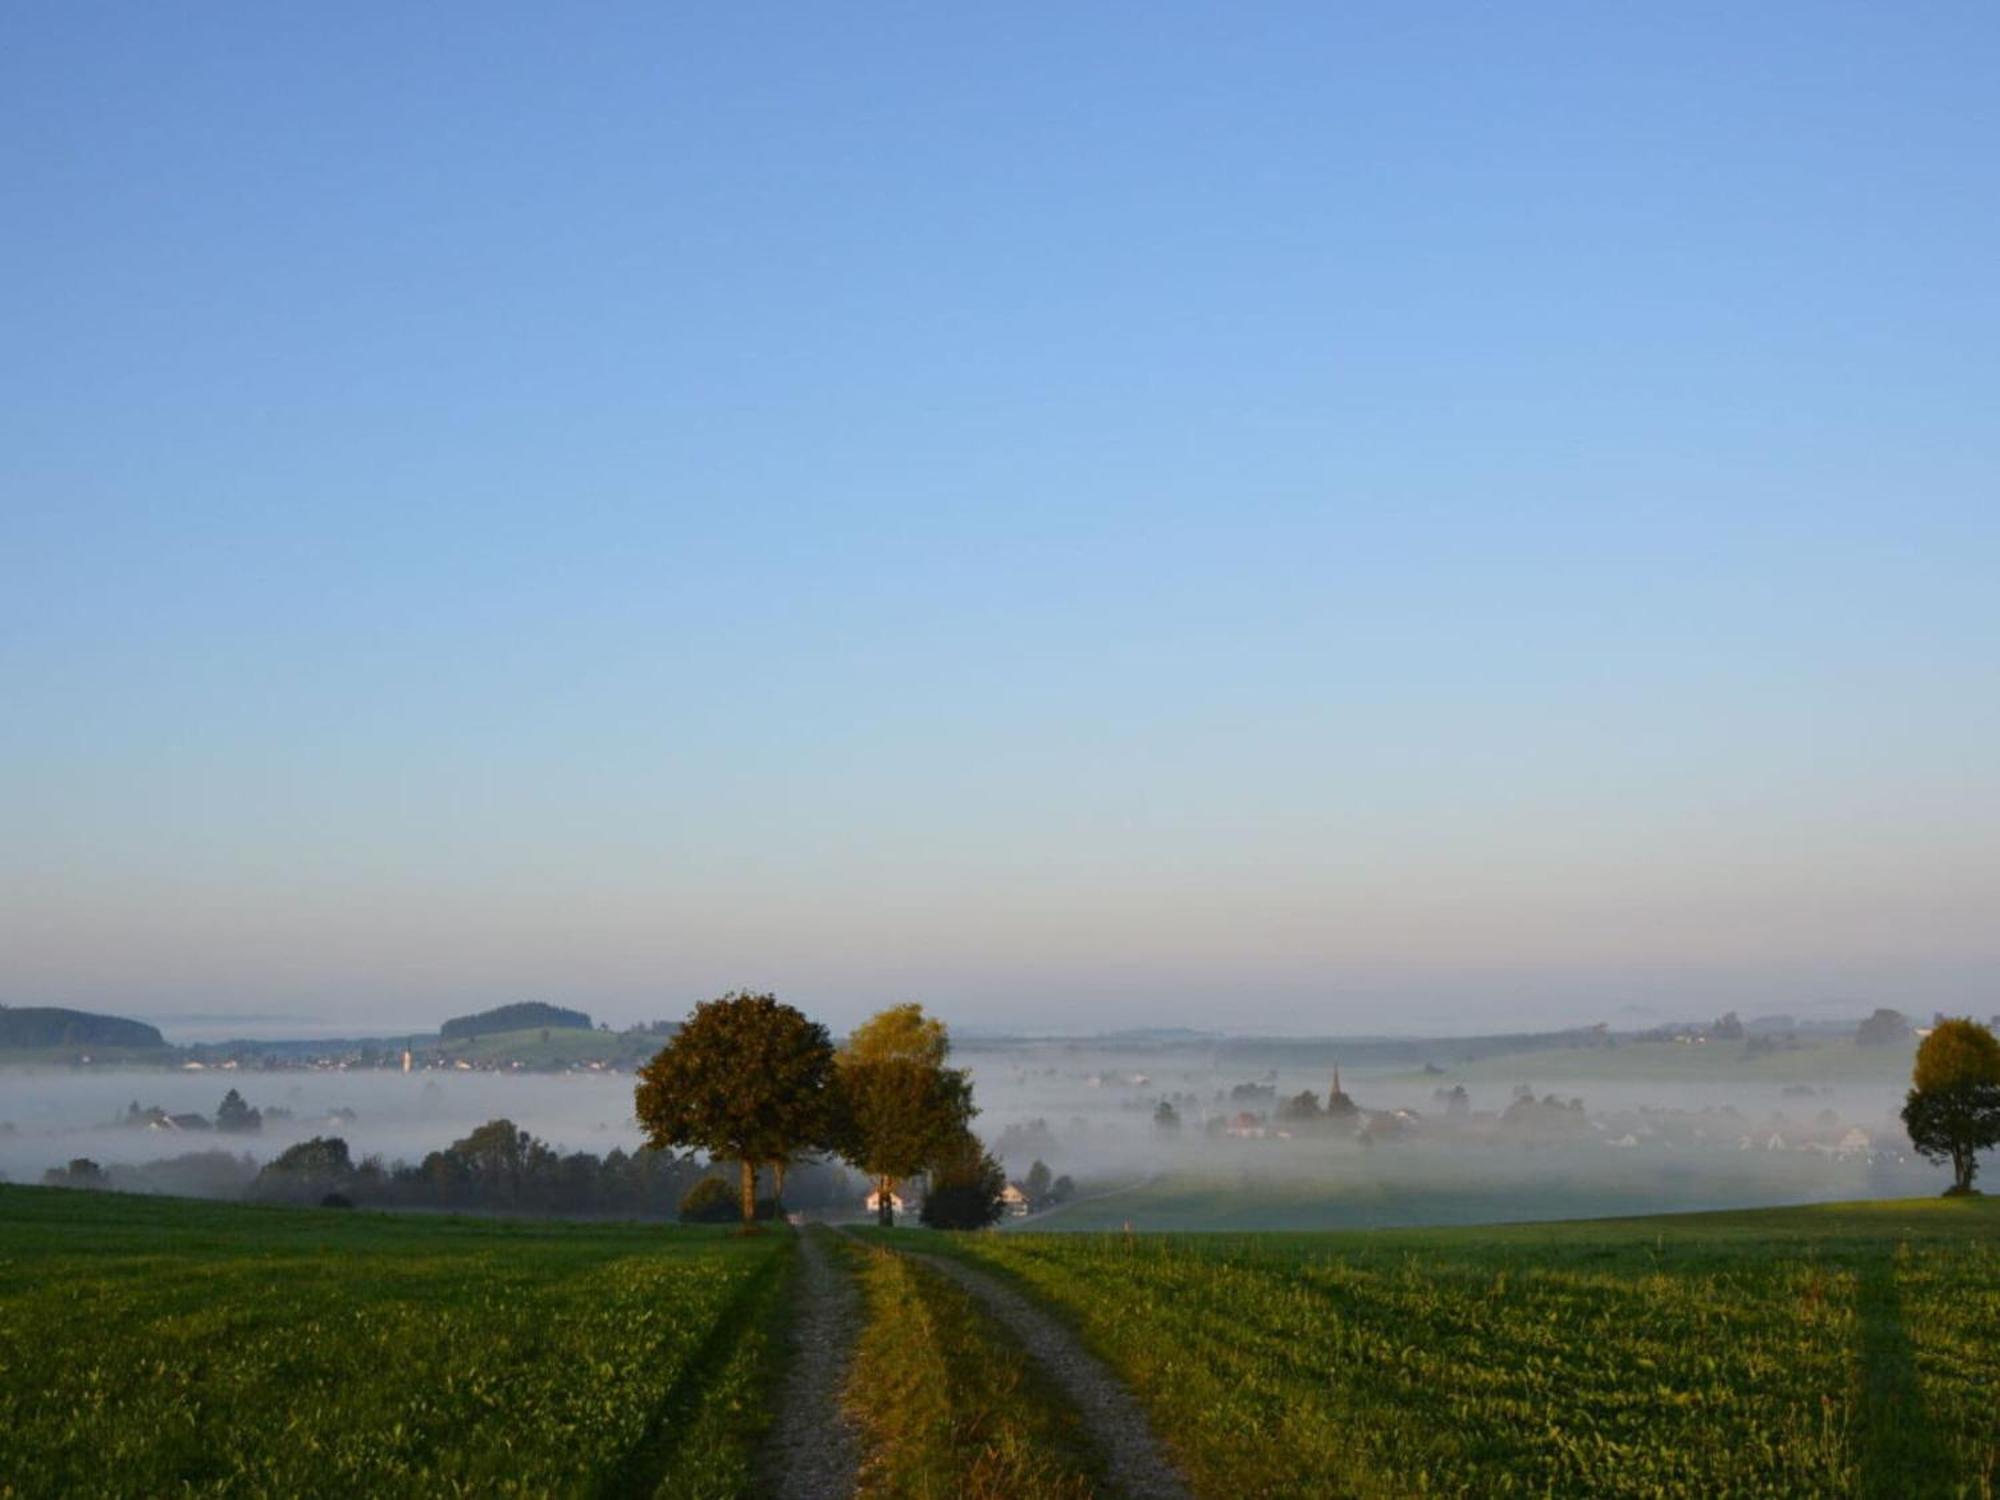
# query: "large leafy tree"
748 1079
902 1109
1953 1108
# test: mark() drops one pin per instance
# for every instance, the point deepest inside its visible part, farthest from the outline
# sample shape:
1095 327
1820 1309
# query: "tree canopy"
966 1184
747 1078
238 1117
524 1016
1952 1111
902 1109
1882 1029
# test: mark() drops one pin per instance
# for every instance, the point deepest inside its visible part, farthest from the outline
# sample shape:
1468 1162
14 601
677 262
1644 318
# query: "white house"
1016 1199
873 1202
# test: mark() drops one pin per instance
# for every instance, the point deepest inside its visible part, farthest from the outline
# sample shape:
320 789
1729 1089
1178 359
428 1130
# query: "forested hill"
523 1017
50 1026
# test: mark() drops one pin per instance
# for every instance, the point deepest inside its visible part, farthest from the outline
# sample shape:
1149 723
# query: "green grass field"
161 1346
1850 1350
1302 1186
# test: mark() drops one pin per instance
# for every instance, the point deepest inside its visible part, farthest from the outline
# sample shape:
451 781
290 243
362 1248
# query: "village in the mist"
1169 1130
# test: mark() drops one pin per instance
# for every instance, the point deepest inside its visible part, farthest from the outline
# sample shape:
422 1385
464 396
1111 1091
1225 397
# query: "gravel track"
1135 1463
812 1453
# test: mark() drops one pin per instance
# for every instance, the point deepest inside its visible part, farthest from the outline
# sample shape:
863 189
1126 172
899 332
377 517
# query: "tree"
499 1155
307 1171
1728 1029
1953 1109
708 1202
1038 1182
901 1108
1302 1108
746 1078
236 1117
81 1172
1166 1119
965 1189
1885 1028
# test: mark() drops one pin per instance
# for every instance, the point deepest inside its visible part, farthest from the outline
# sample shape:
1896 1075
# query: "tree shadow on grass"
646 1464
1903 1454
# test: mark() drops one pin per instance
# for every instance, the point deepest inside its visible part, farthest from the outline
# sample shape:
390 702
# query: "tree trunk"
749 1191
1964 1164
885 1206
778 1180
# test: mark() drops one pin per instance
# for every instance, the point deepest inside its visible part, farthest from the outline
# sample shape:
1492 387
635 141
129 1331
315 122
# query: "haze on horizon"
1298 523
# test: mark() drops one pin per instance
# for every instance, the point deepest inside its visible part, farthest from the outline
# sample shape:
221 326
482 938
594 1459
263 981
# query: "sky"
1289 518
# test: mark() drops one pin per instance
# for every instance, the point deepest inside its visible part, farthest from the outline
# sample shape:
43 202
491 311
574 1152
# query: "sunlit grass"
947 1405
156 1346
1820 1351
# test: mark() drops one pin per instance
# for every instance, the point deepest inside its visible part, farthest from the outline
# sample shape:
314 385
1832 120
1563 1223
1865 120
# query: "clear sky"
1297 518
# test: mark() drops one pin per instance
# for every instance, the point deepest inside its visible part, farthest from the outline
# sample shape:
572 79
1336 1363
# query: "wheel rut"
1136 1465
812 1452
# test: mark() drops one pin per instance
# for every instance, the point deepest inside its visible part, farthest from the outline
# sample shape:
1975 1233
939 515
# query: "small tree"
708 1202
747 1079
1882 1029
496 1156
1953 1110
237 1117
307 1171
1166 1119
1038 1182
965 1187
81 1172
1301 1109
901 1108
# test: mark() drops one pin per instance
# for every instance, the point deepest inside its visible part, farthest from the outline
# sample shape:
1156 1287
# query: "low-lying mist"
1535 1135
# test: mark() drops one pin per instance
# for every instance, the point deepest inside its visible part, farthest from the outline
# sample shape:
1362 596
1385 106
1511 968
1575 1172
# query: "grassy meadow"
156 1346
1298 1187
161 1346
1847 1350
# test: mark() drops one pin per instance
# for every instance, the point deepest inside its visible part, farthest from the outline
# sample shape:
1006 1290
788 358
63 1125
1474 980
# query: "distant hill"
51 1026
530 1015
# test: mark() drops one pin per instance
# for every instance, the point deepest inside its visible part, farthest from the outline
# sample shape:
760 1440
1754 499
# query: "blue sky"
1303 518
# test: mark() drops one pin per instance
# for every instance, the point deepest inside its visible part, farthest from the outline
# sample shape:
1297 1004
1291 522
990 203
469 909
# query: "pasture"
161 1346
155 1346
1846 1350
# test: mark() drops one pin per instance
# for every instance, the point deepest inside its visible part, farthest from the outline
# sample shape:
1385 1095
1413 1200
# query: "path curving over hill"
811 1452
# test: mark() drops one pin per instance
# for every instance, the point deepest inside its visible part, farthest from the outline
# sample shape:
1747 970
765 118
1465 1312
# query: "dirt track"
1135 1463
812 1453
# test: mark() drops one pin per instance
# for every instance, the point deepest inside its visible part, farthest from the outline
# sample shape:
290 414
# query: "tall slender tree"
901 1108
747 1078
